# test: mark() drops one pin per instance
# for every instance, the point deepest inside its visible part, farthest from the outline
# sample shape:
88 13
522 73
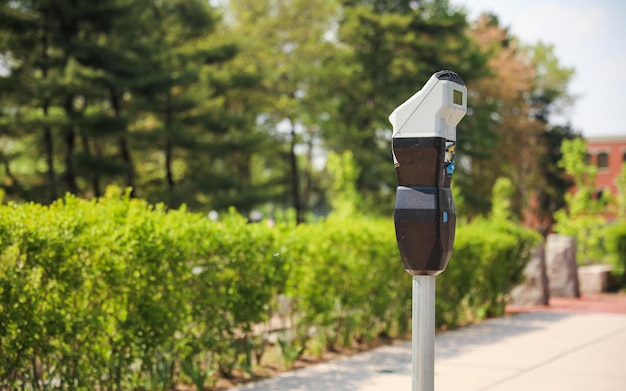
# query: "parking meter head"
424 146
433 111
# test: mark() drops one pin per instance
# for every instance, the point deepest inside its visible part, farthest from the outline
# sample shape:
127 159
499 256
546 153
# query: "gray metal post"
423 341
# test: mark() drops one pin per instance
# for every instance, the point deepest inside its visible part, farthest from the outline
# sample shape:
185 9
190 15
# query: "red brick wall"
615 150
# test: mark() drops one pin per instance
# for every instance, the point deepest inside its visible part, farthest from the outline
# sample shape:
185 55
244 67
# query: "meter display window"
457 97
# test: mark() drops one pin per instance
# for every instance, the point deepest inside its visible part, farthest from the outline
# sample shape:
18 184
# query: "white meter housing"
433 111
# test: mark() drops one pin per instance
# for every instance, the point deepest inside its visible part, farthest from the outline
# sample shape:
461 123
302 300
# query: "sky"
589 36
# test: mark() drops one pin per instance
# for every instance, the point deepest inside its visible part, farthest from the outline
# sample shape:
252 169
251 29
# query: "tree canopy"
238 103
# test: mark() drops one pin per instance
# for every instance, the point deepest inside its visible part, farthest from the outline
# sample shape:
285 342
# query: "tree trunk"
47 131
295 180
95 178
169 145
49 148
122 143
128 163
68 30
70 174
7 171
169 151
69 139
307 175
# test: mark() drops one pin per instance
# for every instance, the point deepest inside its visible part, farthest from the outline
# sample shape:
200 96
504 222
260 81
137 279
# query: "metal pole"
423 341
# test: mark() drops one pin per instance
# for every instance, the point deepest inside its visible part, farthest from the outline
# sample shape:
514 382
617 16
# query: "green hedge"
114 293
488 260
615 243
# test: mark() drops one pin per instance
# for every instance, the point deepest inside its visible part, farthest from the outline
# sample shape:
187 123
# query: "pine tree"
104 90
393 47
30 110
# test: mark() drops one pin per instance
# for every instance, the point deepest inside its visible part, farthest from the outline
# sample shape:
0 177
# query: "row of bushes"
117 294
615 244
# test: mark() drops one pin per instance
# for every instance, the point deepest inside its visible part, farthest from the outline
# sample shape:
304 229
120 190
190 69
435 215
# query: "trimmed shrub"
114 293
488 261
616 246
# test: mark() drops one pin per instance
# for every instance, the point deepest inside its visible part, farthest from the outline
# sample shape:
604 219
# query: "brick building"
607 154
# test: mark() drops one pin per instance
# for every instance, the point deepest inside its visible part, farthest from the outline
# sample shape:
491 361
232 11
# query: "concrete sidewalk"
555 348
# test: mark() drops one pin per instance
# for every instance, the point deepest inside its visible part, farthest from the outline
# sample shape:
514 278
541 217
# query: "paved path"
571 345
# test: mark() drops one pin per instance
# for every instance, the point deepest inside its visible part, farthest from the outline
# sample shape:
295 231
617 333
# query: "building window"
588 158
603 160
624 157
597 195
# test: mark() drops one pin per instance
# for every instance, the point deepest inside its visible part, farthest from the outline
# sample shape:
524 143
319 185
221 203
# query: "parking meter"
423 146
424 141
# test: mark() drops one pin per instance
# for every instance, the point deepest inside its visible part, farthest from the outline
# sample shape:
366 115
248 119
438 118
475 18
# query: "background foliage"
238 103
